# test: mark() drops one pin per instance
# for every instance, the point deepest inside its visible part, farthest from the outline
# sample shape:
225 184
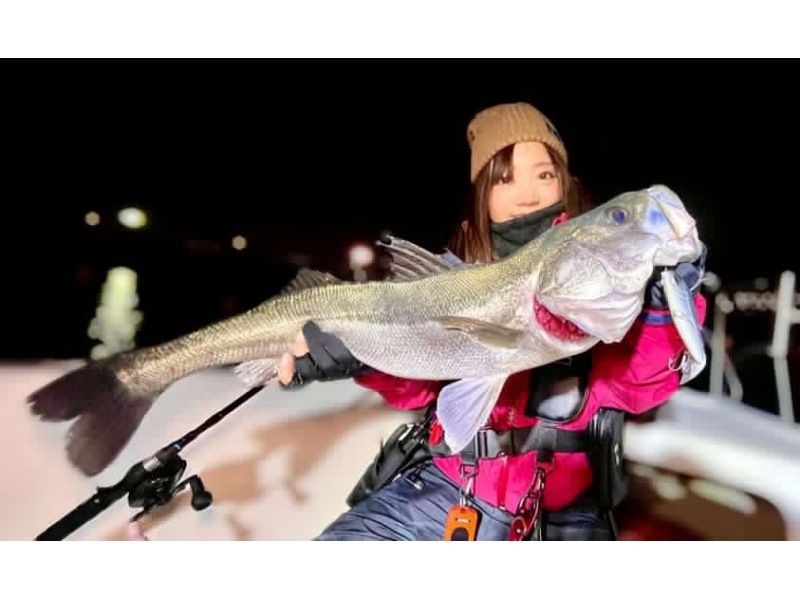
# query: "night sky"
304 158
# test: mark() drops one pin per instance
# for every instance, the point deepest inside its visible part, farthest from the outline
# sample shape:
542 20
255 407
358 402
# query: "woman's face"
530 185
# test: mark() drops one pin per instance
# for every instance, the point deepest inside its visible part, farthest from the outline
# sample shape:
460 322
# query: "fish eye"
617 215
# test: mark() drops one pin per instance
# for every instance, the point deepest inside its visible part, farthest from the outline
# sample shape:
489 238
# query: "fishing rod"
149 483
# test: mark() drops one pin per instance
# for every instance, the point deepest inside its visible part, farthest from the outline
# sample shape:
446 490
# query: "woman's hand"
317 355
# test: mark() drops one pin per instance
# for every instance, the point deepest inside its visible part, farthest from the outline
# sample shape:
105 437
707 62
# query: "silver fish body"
580 283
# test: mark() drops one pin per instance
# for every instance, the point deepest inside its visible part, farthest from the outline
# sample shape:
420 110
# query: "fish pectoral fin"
463 407
307 278
257 372
488 333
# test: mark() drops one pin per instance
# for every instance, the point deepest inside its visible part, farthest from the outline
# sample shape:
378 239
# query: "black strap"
489 444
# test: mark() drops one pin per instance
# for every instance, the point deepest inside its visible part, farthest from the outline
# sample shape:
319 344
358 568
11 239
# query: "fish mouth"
556 326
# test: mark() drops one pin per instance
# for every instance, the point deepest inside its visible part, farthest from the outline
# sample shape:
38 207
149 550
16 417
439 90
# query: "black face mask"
510 235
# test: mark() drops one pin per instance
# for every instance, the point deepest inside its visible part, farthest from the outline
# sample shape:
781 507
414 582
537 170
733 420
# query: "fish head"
597 266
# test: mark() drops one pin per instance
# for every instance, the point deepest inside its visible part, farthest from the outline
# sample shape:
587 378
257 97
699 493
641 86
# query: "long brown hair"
472 239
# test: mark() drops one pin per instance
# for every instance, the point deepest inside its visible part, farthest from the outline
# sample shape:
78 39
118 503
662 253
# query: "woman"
547 464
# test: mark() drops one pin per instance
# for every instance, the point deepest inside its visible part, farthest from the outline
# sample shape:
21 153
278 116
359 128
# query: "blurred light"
361 256
239 242
724 303
643 471
132 217
761 284
116 321
668 487
712 282
92 218
728 497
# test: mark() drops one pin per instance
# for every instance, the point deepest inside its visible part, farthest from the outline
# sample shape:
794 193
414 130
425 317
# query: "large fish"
578 284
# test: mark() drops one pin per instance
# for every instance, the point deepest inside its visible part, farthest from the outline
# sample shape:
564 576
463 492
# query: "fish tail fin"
107 412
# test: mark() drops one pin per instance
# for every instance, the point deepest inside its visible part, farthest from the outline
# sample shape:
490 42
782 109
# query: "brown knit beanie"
506 124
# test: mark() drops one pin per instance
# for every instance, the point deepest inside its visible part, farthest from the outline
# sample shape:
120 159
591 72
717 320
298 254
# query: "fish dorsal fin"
488 333
307 278
463 407
410 261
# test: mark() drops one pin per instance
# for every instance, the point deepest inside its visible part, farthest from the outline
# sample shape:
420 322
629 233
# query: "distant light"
761 284
361 256
669 487
92 218
712 282
724 303
239 242
728 497
116 320
132 217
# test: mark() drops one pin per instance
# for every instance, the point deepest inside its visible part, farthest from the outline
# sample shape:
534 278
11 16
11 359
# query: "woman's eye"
547 175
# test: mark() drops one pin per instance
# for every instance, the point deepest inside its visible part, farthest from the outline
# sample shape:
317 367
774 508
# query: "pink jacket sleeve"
634 375
401 393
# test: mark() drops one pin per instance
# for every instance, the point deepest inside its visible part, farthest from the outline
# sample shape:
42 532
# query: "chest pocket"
557 391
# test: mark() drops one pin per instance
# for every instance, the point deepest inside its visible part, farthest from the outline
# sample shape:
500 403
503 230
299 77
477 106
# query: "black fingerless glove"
327 359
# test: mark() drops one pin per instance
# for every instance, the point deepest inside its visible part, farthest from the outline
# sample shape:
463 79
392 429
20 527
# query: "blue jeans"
414 507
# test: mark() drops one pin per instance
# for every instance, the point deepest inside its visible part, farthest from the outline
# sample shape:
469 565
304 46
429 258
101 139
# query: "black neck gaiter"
510 235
